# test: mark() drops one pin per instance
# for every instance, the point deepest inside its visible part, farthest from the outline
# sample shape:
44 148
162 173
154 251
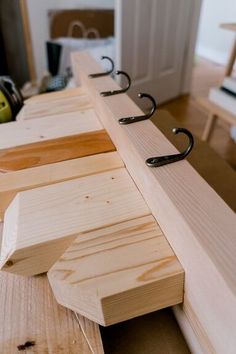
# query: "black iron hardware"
165 160
116 92
93 76
130 120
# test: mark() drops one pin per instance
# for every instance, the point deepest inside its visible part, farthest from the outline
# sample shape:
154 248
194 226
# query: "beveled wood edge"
202 235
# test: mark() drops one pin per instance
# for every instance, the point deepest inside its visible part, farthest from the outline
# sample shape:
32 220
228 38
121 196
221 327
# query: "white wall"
38 10
215 43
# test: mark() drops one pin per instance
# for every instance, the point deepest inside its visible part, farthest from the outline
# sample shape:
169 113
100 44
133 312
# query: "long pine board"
47 128
55 150
28 320
30 312
198 224
13 182
77 105
119 272
40 224
55 96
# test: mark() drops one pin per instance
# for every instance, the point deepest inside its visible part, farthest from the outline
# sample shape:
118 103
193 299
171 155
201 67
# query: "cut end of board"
118 272
40 224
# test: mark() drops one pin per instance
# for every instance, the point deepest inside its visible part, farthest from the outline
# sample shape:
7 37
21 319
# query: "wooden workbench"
27 305
170 203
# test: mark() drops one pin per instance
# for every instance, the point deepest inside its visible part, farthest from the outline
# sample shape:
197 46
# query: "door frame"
190 46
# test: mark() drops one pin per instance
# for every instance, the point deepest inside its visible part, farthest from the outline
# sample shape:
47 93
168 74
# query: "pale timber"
77 105
55 150
27 132
200 227
55 96
40 224
119 272
29 312
13 182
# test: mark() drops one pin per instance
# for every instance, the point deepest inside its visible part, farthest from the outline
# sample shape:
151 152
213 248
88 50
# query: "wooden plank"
55 96
37 318
198 224
33 143
27 132
28 320
55 150
77 105
126 270
13 182
40 224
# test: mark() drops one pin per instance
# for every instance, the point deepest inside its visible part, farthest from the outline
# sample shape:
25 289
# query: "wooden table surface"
35 323
30 313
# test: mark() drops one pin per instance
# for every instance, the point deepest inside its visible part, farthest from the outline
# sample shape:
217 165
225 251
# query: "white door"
155 44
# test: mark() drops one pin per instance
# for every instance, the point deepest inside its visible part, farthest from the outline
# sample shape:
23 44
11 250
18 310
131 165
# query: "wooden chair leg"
230 65
210 124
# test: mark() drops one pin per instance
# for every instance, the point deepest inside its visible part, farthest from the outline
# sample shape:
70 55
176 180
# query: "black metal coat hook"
93 76
130 120
165 160
116 92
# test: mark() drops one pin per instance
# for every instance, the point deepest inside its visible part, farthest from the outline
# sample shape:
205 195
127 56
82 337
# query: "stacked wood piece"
196 221
102 232
28 309
60 197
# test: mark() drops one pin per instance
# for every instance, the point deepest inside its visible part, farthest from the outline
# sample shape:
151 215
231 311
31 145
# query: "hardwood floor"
185 109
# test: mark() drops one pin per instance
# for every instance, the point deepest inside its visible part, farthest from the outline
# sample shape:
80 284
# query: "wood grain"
120 272
198 224
55 150
77 104
41 223
28 132
13 182
229 26
55 96
53 328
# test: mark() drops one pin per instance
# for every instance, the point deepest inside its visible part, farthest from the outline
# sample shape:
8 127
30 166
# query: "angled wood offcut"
196 221
27 320
55 150
40 224
118 272
55 96
13 182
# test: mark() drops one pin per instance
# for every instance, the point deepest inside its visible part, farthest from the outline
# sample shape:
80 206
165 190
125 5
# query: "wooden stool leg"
230 65
209 126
